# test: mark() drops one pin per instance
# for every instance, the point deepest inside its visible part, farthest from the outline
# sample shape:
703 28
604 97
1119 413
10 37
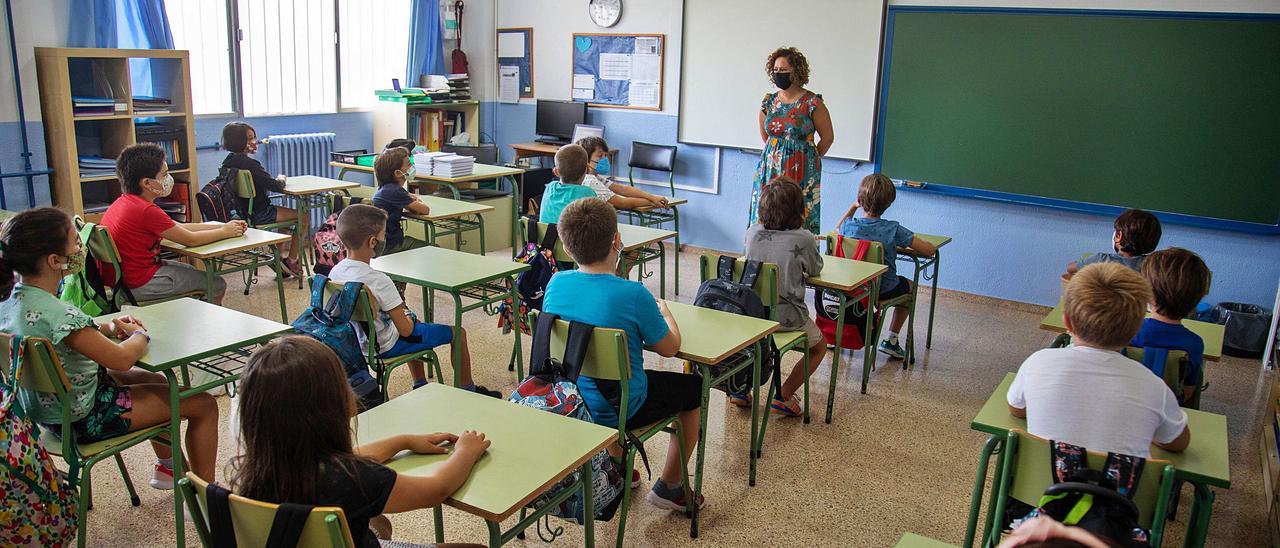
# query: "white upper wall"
36 24
1215 6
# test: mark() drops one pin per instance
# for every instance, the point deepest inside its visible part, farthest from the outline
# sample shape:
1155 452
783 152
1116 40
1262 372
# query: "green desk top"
446 208
912 540
672 202
445 269
936 240
186 329
1206 460
5 215
520 463
480 172
302 185
844 274
1210 333
709 336
251 239
635 237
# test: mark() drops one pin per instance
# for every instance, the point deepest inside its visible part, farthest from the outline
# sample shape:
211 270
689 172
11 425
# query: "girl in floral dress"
789 120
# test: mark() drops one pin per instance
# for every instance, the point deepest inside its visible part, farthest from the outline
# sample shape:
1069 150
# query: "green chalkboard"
1167 112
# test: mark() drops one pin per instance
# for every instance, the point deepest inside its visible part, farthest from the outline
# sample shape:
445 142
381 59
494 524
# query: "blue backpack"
551 387
331 325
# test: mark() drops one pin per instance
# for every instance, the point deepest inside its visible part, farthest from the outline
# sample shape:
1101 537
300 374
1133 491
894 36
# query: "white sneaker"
162 479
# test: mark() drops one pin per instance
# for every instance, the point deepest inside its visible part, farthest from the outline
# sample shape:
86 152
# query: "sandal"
740 400
789 408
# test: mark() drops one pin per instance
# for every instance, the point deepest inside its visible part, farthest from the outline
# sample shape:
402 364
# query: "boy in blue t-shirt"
1179 279
595 295
571 166
875 195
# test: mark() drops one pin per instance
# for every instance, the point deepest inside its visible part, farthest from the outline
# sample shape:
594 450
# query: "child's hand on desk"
659 201
123 327
662 307
234 228
471 444
430 444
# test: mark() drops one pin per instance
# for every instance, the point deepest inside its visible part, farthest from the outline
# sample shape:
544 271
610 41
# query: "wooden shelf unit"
391 120
66 72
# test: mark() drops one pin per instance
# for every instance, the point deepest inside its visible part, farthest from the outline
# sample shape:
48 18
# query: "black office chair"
654 158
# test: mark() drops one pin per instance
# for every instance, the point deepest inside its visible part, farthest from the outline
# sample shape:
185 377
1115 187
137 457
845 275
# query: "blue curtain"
426 41
134 24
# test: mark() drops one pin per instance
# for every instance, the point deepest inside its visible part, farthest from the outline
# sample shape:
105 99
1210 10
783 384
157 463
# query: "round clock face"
605 13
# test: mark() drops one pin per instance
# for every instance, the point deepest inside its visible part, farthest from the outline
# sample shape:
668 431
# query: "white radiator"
298 154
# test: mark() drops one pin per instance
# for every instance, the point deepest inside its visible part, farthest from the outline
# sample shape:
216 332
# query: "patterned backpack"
331 324
217 199
40 506
532 283
328 248
551 387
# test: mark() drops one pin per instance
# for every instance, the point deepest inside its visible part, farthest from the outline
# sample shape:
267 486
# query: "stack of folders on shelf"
143 104
96 166
172 151
452 165
433 127
459 87
96 106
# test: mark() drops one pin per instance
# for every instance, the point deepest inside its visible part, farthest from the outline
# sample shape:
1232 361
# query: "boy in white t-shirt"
1089 394
598 178
363 229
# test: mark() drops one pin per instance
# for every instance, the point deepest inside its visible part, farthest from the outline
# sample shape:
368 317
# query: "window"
194 26
372 47
295 56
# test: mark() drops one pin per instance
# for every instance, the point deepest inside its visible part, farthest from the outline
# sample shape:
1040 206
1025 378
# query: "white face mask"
166 185
410 173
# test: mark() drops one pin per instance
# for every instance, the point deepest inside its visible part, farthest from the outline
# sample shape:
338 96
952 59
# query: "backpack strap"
550 238
750 272
839 247
530 229
1122 473
860 250
342 305
575 349
221 529
541 352
287 526
724 268
317 291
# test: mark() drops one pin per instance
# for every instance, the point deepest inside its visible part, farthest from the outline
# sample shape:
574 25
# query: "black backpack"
286 527
532 283
217 199
737 297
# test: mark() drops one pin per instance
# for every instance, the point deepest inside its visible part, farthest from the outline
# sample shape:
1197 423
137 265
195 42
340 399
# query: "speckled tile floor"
900 458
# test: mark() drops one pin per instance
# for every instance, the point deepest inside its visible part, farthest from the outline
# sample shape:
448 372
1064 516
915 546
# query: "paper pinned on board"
584 94
615 66
508 84
510 44
646 69
584 81
642 95
646 45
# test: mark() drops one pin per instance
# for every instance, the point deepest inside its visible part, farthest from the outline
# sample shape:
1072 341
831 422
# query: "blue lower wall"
1001 250
1009 251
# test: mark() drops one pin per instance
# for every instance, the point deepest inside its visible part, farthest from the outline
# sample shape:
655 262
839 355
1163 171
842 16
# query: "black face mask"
782 80
379 247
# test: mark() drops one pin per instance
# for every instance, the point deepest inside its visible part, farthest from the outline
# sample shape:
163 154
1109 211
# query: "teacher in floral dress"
789 119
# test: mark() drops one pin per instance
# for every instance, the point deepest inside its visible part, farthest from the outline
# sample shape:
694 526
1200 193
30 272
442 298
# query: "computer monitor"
581 131
556 119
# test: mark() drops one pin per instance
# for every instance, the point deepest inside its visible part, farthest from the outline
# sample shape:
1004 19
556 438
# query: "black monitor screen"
557 118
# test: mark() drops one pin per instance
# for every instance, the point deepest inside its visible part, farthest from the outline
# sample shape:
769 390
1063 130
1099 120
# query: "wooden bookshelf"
391 120
99 72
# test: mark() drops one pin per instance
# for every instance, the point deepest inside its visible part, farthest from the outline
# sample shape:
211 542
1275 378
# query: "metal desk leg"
1198 517
702 447
933 296
284 314
835 357
752 446
869 347
179 463
979 483
662 270
517 184
455 349
518 357
439 517
588 510
675 216
480 220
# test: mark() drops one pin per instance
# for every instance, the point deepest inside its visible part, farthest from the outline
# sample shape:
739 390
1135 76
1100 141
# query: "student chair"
1174 371
42 371
366 313
100 247
766 287
607 359
1026 474
876 254
251 519
246 190
654 158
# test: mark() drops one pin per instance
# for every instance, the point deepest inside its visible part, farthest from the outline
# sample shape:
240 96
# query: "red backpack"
328 248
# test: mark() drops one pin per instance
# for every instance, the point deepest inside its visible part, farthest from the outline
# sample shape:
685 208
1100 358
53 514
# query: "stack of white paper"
452 165
423 161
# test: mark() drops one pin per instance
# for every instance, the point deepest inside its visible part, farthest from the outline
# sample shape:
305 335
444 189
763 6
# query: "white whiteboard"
726 43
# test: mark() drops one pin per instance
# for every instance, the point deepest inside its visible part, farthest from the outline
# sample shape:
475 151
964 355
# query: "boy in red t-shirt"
137 224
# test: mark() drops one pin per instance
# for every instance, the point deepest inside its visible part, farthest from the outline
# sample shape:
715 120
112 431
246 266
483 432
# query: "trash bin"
1246 329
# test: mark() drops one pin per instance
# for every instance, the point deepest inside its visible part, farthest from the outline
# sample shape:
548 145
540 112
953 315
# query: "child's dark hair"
235 136
285 453
781 204
358 222
1178 278
1139 232
388 163
27 239
876 194
587 227
592 144
138 162
407 144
